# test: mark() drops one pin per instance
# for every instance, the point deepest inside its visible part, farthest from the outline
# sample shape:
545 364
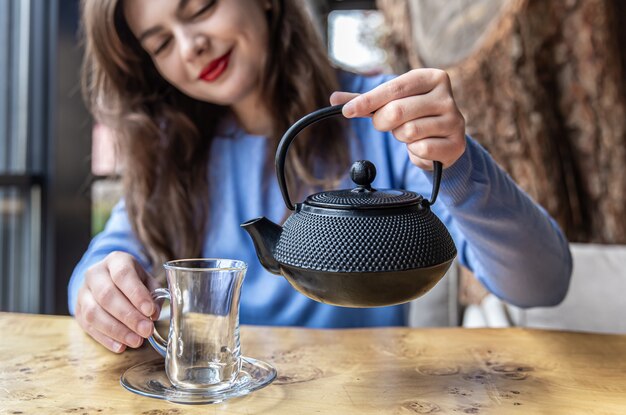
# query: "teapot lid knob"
363 173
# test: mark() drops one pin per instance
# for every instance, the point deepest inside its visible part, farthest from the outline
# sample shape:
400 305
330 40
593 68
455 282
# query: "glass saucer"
149 379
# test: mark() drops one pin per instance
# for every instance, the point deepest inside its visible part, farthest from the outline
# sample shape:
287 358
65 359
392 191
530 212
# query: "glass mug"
202 350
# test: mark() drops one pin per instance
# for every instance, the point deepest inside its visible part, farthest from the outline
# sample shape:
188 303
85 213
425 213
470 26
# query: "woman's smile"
215 68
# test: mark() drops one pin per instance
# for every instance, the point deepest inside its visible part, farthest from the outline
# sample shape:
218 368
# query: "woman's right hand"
114 304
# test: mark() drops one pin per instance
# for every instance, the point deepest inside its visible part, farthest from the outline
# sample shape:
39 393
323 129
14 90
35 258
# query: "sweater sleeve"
116 236
510 243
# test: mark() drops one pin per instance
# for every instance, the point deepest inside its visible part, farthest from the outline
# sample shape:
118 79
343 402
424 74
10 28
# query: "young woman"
199 92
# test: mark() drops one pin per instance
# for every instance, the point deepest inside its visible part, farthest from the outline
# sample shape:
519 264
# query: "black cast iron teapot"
360 247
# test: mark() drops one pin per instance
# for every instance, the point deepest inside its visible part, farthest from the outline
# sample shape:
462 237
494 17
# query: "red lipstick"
215 68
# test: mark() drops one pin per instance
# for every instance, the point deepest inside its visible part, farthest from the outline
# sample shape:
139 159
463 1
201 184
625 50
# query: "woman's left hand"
419 110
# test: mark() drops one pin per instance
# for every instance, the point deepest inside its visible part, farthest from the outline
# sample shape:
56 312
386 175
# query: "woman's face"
211 50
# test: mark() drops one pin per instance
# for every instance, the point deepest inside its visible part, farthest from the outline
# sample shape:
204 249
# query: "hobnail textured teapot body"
363 241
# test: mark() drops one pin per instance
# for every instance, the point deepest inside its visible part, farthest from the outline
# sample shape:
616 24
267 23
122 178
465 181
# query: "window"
44 147
20 160
353 42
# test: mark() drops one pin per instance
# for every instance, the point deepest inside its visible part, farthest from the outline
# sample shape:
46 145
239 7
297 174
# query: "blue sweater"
514 248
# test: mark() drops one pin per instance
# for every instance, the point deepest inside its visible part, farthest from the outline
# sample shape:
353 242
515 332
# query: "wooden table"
49 366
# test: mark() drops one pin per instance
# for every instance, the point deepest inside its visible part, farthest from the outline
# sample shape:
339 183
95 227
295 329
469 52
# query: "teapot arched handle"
315 116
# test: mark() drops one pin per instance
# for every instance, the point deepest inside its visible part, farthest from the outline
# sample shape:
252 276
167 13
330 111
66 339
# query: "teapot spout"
265 235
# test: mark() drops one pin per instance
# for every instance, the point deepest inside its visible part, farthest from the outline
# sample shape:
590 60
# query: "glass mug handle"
156 341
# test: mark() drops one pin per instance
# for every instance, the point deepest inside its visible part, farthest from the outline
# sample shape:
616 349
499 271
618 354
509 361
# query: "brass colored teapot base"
367 289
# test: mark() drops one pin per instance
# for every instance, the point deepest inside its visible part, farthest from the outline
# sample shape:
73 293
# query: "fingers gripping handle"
292 132
156 341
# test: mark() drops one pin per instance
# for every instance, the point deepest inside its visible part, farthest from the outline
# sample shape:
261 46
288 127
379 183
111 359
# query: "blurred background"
540 83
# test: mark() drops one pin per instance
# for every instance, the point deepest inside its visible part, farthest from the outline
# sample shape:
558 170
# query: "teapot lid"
364 196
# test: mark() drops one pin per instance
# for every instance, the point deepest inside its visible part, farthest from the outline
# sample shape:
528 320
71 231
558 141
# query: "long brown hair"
164 136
